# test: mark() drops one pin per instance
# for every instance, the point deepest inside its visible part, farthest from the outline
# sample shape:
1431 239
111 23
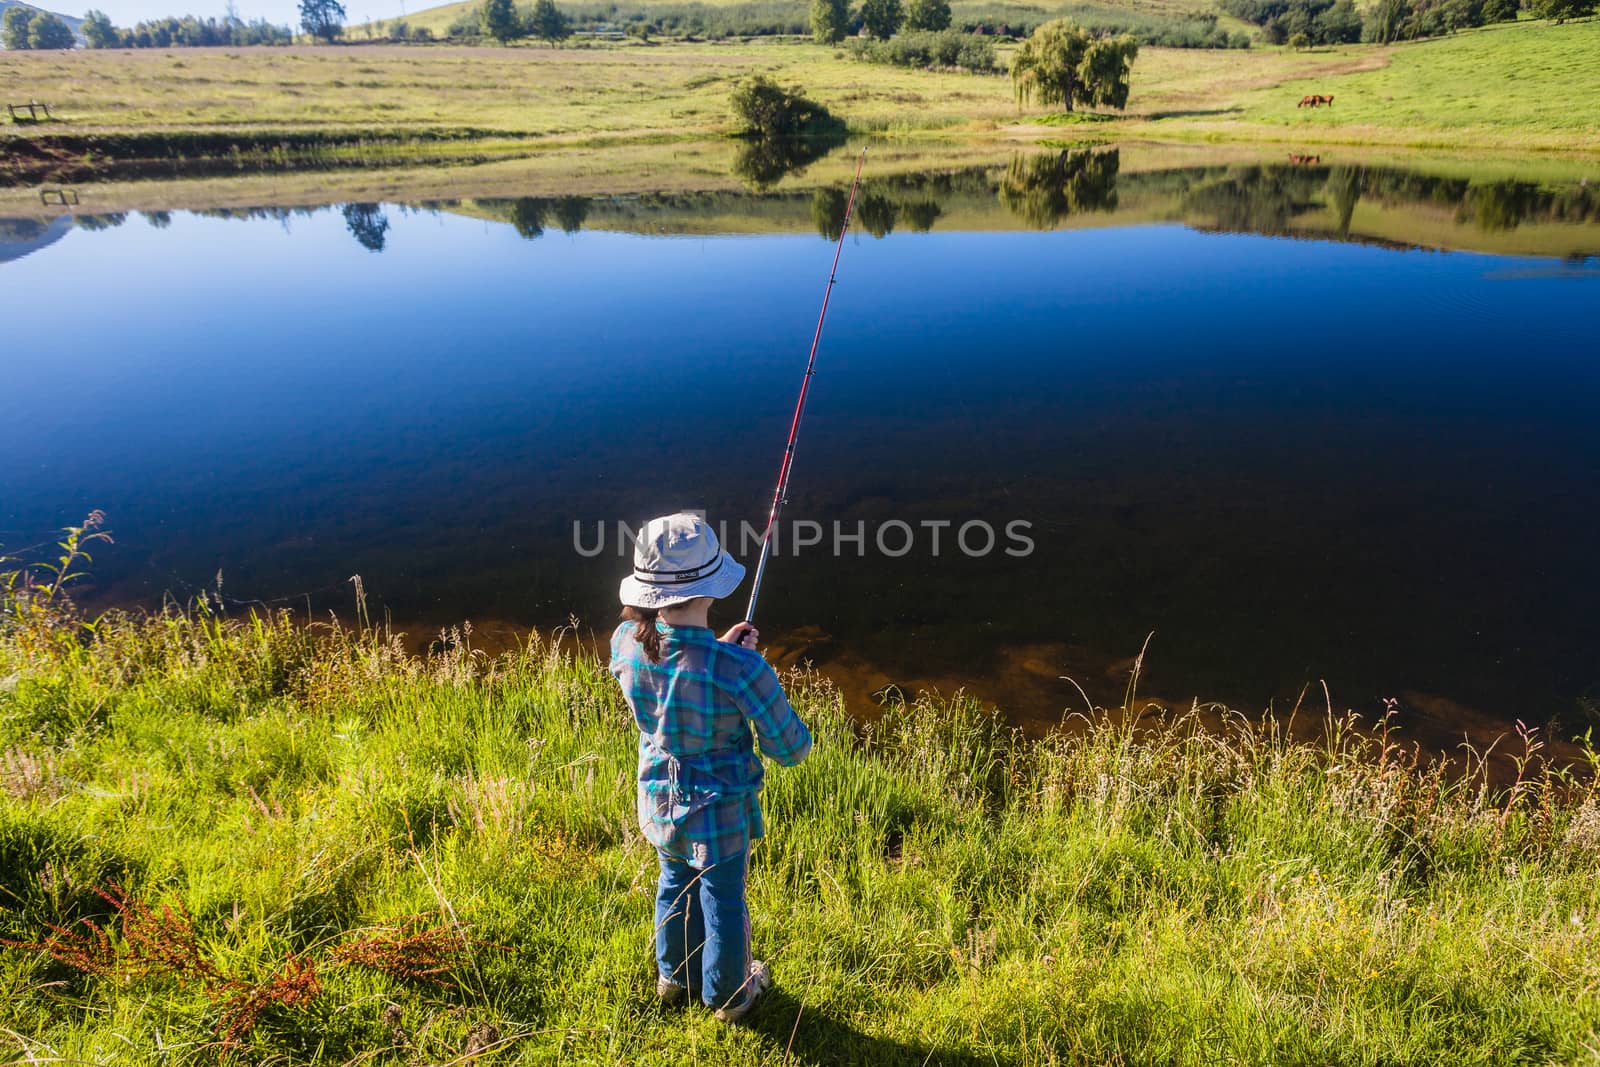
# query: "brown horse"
1315 101
1303 161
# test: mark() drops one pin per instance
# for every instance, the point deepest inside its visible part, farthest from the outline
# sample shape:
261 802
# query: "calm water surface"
1236 408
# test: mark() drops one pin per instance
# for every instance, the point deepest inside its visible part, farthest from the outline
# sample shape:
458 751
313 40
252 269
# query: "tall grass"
934 889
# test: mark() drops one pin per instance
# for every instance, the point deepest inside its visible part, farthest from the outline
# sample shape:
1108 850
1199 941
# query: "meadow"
258 841
1509 88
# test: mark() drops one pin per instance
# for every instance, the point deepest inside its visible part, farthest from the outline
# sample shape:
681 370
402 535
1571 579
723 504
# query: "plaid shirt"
699 776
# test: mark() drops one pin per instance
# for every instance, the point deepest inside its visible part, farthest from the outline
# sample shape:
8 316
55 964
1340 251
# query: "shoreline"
303 106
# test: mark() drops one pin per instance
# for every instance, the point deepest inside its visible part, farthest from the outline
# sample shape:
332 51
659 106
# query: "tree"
500 21
1299 41
1064 64
830 20
322 18
46 31
1500 10
928 15
548 23
14 29
98 31
1562 10
882 18
1385 20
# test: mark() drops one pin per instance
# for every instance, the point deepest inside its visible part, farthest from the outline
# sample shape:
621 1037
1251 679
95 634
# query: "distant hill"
72 21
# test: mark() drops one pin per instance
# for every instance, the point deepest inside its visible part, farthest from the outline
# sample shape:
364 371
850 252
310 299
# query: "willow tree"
1063 64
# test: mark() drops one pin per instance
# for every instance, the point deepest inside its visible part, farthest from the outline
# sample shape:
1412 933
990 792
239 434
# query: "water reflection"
763 162
1043 190
529 215
367 224
1274 200
1387 206
1401 494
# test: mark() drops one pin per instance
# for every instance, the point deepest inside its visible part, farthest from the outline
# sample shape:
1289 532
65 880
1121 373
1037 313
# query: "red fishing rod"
780 495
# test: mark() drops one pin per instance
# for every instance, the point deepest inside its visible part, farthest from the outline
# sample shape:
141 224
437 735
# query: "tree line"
24 28
1303 23
323 19
187 31
505 22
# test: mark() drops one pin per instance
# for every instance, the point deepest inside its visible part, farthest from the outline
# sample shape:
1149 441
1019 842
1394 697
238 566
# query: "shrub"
1191 29
766 109
947 48
749 18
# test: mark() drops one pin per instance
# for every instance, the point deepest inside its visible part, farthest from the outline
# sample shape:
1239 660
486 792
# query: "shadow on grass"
808 1035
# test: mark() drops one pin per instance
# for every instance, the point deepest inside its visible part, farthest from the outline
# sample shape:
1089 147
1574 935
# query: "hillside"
765 16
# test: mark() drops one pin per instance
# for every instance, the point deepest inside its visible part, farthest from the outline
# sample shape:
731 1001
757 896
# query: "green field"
1507 88
327 851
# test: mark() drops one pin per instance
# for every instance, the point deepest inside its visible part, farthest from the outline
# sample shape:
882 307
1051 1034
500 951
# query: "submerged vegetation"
257 839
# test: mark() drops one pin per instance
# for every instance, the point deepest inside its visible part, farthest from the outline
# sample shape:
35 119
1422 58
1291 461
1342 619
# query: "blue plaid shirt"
699 776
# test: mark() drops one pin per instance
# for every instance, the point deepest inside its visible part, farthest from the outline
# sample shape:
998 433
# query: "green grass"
932 890
1522 82
1517 87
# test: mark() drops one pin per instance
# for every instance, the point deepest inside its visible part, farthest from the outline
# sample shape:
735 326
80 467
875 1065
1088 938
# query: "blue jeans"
703 927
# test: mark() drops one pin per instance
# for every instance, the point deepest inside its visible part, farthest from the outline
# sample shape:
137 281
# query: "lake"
1300 421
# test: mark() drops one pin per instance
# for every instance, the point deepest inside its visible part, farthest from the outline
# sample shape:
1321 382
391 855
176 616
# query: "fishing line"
780 494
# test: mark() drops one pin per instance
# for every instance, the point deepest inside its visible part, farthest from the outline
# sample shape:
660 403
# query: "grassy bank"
1504 88
332 852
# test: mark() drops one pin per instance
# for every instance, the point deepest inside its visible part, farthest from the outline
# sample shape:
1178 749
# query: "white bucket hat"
675 559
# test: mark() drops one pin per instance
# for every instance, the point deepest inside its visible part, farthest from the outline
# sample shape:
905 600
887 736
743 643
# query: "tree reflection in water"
1043 190
367 224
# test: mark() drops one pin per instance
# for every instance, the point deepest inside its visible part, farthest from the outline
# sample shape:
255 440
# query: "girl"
695 698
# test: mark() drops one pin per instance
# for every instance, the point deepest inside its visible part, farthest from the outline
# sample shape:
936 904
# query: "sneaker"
757 983
670 993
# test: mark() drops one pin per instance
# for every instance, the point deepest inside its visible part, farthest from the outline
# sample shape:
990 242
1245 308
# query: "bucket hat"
675 559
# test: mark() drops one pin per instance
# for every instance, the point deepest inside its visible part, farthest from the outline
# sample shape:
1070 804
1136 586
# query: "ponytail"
645 628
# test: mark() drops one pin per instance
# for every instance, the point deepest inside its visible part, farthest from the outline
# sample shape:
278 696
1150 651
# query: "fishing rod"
780 495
